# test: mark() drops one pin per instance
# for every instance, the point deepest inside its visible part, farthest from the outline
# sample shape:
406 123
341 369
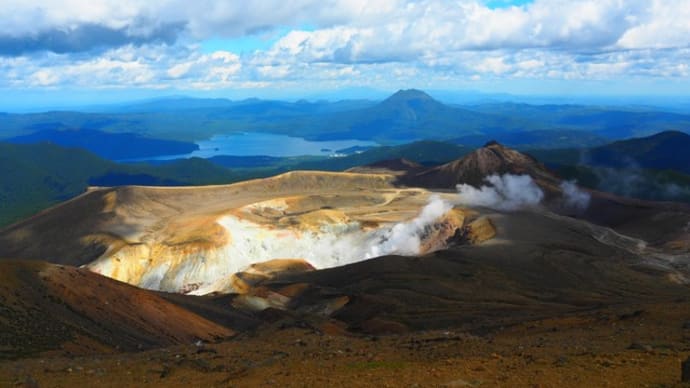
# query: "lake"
265 144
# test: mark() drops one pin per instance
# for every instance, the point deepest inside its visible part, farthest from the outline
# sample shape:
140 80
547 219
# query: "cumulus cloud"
340 42
84 37
201 19
365 26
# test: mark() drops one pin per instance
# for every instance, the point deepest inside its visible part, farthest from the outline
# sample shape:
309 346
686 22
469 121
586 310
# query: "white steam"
507 192
573 197
404 238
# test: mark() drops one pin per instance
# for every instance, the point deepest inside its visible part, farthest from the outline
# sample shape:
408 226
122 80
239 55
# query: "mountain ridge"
472 169
664 150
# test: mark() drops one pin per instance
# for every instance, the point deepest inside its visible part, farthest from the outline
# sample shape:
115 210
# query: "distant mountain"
407 115
177 104
410 102
112 146
656 167
662 151
668 150
410 115
610 122
539 139
169 104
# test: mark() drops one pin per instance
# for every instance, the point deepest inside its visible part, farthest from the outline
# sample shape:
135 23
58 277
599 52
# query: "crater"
318 231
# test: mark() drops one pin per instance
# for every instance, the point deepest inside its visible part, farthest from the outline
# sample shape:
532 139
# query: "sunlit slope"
194 239
46 307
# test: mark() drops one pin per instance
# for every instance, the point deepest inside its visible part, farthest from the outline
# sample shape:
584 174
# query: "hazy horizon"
34 102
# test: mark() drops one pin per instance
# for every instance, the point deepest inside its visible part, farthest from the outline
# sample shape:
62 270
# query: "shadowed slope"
539 265
663 151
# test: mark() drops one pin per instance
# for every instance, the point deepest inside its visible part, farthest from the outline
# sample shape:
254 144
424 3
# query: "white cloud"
664 25
44 77
494 65
180 69
341 42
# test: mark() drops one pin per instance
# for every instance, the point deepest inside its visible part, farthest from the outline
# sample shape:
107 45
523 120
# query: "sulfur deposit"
196 240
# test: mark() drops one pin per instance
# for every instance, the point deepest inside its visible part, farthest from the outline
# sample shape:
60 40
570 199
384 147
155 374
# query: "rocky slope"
193 240
664 225
493 158
46 307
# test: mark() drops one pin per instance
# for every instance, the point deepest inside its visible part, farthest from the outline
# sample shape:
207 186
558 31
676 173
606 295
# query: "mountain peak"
474 167
409 94
492 143
412 102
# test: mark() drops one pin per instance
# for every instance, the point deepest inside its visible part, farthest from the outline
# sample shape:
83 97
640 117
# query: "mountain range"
404 116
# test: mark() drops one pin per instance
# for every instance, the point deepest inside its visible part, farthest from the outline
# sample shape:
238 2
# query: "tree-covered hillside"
35 176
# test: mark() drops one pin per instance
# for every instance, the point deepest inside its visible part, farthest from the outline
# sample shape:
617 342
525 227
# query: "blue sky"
97 51
493 4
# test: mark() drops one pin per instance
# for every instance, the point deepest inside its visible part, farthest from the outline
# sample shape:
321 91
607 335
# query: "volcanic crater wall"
323 231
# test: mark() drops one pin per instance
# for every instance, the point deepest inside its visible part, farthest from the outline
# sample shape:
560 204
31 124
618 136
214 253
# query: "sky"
99 51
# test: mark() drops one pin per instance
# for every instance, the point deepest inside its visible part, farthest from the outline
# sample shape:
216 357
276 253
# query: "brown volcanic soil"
493 158
538 266
543 304
48 308
639 345
551 301
663 224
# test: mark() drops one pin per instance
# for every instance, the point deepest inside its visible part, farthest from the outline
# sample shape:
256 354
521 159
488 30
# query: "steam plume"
573 197
404 238
507 192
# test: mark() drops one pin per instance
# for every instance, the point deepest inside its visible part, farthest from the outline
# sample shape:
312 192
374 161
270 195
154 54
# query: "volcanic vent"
193 240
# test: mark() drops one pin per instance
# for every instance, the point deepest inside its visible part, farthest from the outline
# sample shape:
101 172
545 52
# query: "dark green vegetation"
540 139
423 152
654 167
664 151
35 176
111 146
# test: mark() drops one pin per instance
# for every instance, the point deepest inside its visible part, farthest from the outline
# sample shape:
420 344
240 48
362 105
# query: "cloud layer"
336 43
